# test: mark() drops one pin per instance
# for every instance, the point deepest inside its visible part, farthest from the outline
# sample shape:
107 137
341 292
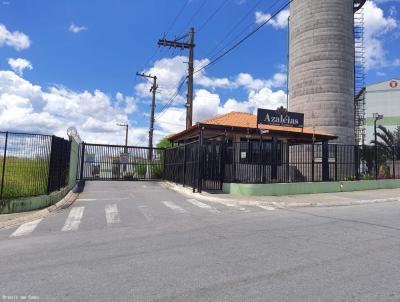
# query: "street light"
376 117
126 142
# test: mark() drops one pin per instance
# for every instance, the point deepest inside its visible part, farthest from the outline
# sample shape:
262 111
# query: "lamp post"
126 140
376 117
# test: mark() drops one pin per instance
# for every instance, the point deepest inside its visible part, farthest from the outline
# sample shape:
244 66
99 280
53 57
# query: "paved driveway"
137 241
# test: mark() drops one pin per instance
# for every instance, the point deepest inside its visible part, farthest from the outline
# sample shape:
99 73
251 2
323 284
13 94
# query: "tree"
387 141
164 143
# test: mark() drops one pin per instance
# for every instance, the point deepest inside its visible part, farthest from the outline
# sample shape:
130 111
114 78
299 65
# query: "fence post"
222 164
274 164
313 163
199 160
394 161
164 162
82 161
4 166
357 161
184 165
325 161
336 158
51 164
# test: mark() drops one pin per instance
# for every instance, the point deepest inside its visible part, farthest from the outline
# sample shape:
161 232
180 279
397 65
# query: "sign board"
393 84
90 157
243 155
124 158
280 117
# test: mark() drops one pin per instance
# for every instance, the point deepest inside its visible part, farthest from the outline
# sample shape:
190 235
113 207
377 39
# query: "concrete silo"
321 65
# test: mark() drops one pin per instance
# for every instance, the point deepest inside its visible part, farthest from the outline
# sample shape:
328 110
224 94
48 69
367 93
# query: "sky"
73 63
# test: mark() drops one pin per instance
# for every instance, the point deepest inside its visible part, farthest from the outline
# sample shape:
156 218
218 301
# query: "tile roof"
248 120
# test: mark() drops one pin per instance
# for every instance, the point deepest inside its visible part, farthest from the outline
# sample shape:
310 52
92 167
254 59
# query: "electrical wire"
212 62
171 100
177 16
193 16
201 27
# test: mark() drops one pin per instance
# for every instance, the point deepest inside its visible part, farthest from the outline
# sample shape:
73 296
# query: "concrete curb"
282 204
63 203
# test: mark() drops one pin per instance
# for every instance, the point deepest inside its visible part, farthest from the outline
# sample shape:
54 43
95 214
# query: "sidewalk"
301 200
15 219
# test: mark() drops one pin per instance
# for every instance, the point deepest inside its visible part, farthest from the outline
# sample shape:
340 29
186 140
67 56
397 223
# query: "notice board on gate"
280 117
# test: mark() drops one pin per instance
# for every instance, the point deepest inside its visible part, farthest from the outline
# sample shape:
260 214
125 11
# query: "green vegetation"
24 177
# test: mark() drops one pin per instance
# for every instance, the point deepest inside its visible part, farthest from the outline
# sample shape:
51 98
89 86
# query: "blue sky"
73 63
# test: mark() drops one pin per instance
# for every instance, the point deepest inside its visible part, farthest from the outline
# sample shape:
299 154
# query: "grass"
24 177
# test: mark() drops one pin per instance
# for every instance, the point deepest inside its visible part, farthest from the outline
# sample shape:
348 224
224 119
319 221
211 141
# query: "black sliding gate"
115 162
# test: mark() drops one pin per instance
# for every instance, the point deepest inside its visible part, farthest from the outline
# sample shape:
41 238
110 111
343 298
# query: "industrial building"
382 98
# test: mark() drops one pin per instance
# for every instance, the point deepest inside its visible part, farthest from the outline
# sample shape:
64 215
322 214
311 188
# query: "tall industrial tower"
321 65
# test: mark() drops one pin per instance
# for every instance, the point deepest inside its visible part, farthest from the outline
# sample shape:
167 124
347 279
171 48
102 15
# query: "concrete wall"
308 187
321 65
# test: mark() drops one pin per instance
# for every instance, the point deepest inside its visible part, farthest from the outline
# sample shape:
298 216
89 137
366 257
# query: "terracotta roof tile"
243 119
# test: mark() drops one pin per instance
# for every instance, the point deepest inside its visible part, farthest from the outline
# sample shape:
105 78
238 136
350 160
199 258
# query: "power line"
223 3
195 14
171 100
212 62
177 16
234 27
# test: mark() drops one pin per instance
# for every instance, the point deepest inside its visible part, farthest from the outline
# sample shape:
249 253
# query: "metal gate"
115 162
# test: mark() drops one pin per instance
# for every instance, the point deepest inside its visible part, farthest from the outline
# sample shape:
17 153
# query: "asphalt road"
136 241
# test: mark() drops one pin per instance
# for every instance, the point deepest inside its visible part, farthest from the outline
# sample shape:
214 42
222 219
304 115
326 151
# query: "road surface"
137 241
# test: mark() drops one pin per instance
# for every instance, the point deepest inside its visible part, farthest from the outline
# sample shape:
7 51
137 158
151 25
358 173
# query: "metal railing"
209 164
32 164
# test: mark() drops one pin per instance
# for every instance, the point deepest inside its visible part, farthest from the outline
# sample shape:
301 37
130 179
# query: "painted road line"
86 199
26 228
266 207
73 219
174 207
203 205
143 210
112 215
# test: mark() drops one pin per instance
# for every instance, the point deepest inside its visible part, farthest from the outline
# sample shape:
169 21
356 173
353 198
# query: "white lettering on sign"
281 119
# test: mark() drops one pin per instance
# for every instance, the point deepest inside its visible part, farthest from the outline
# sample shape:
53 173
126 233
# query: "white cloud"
279 22
14 39
30 108
376 26
76 29
18 65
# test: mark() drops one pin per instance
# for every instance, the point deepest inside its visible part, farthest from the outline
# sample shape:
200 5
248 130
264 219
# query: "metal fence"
115 162
209 164
32 164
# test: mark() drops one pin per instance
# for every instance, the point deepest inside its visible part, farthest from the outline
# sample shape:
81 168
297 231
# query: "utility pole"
126 143
153 89
190 45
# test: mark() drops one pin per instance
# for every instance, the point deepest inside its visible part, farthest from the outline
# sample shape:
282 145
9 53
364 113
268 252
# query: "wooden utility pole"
190 45
153 89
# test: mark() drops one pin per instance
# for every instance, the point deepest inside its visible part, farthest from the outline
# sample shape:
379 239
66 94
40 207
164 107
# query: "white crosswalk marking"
203 205
26 228
266 207
73 219
112 215
174 207
144 211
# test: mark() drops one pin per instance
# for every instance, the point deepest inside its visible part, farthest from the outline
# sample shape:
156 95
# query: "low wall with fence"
36 170
210 164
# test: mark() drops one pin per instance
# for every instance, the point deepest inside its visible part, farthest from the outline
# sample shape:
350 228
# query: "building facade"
382 98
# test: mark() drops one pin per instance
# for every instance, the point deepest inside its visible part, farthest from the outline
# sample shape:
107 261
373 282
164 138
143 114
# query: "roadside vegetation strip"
26 228
73 219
